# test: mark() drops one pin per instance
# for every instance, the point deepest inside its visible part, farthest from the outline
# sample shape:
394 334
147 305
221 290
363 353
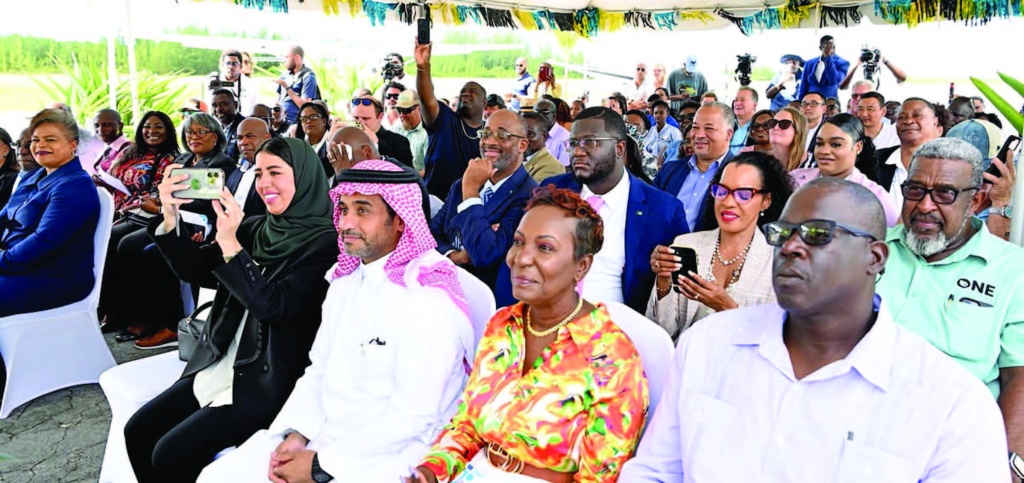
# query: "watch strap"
318 473
1017 465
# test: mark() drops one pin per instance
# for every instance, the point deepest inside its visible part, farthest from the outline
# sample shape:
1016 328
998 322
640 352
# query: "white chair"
128 387
481 302
62 347
435 205
652 343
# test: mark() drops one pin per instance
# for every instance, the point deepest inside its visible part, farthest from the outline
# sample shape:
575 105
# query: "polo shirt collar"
980 245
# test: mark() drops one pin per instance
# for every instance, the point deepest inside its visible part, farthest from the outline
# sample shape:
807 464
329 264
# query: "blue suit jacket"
46 238
653 218
485 231
835 71
670 179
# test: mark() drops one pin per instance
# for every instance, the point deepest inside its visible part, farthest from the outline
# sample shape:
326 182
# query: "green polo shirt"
969 305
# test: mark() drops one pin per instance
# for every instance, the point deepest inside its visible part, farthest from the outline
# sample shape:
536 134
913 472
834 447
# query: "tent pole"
1017 218
129 39
112 69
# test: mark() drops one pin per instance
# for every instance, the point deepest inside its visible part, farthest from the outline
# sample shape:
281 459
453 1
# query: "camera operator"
869 59
784 86
230 77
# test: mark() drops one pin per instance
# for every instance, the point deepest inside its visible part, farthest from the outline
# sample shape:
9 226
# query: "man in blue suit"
475 227
824 74
689 179
637 217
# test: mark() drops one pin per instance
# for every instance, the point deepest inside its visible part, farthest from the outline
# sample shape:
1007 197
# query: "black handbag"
190 329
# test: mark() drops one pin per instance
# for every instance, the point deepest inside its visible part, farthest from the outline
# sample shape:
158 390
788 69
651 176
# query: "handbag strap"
195 313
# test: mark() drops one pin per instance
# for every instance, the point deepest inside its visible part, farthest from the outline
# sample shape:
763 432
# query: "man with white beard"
952 282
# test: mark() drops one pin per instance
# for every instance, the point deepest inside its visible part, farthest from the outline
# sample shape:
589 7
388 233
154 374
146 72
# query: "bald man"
522 85
475 227
252 132
824 385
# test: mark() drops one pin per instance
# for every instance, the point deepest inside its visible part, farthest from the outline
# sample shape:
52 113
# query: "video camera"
217 83
744 68
389 70
870 58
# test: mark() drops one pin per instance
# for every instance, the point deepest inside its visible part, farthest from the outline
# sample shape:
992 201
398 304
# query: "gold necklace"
545 333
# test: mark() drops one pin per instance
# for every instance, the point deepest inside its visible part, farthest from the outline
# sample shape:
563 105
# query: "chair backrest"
481 302
435 205
652 343
100 240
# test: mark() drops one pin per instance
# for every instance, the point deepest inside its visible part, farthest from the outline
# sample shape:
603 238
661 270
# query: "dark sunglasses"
641 69
362 101
812 232
406 110
277 109
759 126
391 96
941 196
741 195
783 124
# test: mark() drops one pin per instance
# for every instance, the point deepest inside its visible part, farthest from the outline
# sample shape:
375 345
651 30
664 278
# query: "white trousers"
480 470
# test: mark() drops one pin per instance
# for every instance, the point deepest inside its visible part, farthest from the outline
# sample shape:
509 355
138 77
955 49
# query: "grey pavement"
60 437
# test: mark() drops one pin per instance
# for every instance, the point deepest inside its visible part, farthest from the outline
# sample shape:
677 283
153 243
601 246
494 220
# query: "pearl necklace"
552 330
735 275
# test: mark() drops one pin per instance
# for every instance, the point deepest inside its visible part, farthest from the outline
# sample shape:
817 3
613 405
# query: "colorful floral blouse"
135 173
579 409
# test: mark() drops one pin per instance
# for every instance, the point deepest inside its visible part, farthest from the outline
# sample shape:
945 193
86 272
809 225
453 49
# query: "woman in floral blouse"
557 392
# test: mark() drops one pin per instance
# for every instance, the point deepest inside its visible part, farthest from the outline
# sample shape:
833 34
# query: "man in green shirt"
952 282
411 126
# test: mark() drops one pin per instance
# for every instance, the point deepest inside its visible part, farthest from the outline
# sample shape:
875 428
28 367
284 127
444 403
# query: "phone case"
204 184
690 263
423 31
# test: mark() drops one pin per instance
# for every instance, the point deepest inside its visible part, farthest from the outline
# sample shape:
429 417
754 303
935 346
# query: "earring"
762 213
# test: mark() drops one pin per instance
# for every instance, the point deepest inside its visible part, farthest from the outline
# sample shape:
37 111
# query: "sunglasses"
856 96
391 96
812 232
310 118
783 124
406 110
759 126
232 63
941 196
641 69
487 133
362 101
810 104
277 109
741 195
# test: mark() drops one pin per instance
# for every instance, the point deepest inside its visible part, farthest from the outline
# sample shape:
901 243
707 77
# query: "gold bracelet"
418 69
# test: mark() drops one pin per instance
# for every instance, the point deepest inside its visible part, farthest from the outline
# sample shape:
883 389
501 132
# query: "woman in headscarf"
269 271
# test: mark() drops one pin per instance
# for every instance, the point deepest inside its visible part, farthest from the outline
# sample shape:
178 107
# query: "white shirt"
604 281
901 175
637 93
245 184
655 141
894 410
886 138
388 366
89 150
476 200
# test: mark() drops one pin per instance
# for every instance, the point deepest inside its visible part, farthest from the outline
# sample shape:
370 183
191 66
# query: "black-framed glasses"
759 126
741 195
810 104
310 118
391 96
941 196
406 110
832 107
198 133
641 69
277 109
588 144
812 232
362 101
782 123
487 133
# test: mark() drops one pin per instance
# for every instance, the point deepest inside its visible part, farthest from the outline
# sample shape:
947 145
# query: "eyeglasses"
588 144
641 69
741 195
232 63
362 101
812 232
406 110
391 96
810 104
310 118
197 134
486 133
941 196
856 96
277 109
758 127
519 65
782 123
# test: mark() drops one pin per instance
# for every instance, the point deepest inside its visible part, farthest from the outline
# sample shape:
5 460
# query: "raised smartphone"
423 31
203 183
1010 145
689 264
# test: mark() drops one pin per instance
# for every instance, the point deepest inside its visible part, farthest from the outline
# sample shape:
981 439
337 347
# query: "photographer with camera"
869 59
824 73
297 85
230 77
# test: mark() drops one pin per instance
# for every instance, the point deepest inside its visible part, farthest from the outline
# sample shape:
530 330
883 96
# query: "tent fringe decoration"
666 21
840 16
276 6
639 19
377 11
498 18
764 20
586 21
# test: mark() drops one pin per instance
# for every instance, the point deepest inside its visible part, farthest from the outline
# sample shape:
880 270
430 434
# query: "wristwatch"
1003 211
319 475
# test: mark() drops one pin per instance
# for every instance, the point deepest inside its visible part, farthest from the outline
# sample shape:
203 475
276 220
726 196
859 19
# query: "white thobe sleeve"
430 351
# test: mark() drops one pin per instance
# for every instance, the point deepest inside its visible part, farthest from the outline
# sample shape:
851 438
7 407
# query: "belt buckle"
509 464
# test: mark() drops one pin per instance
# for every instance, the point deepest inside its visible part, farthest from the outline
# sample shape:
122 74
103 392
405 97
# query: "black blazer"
394 145
7 179
885 171
284 309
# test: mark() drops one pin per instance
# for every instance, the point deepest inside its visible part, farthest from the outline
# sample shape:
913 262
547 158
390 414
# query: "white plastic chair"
652 343
481 302
62 347
128 387
435 205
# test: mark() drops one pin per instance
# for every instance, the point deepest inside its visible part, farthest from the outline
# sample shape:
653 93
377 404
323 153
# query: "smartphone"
423 31
689 263
1011 144
203 183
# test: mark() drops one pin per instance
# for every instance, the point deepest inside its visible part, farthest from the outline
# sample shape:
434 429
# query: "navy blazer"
46 239
835 71
485 231
653 218
670 179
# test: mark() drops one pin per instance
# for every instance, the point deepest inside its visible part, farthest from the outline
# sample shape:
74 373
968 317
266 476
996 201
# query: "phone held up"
1011 144
423 31
203 183
689 264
